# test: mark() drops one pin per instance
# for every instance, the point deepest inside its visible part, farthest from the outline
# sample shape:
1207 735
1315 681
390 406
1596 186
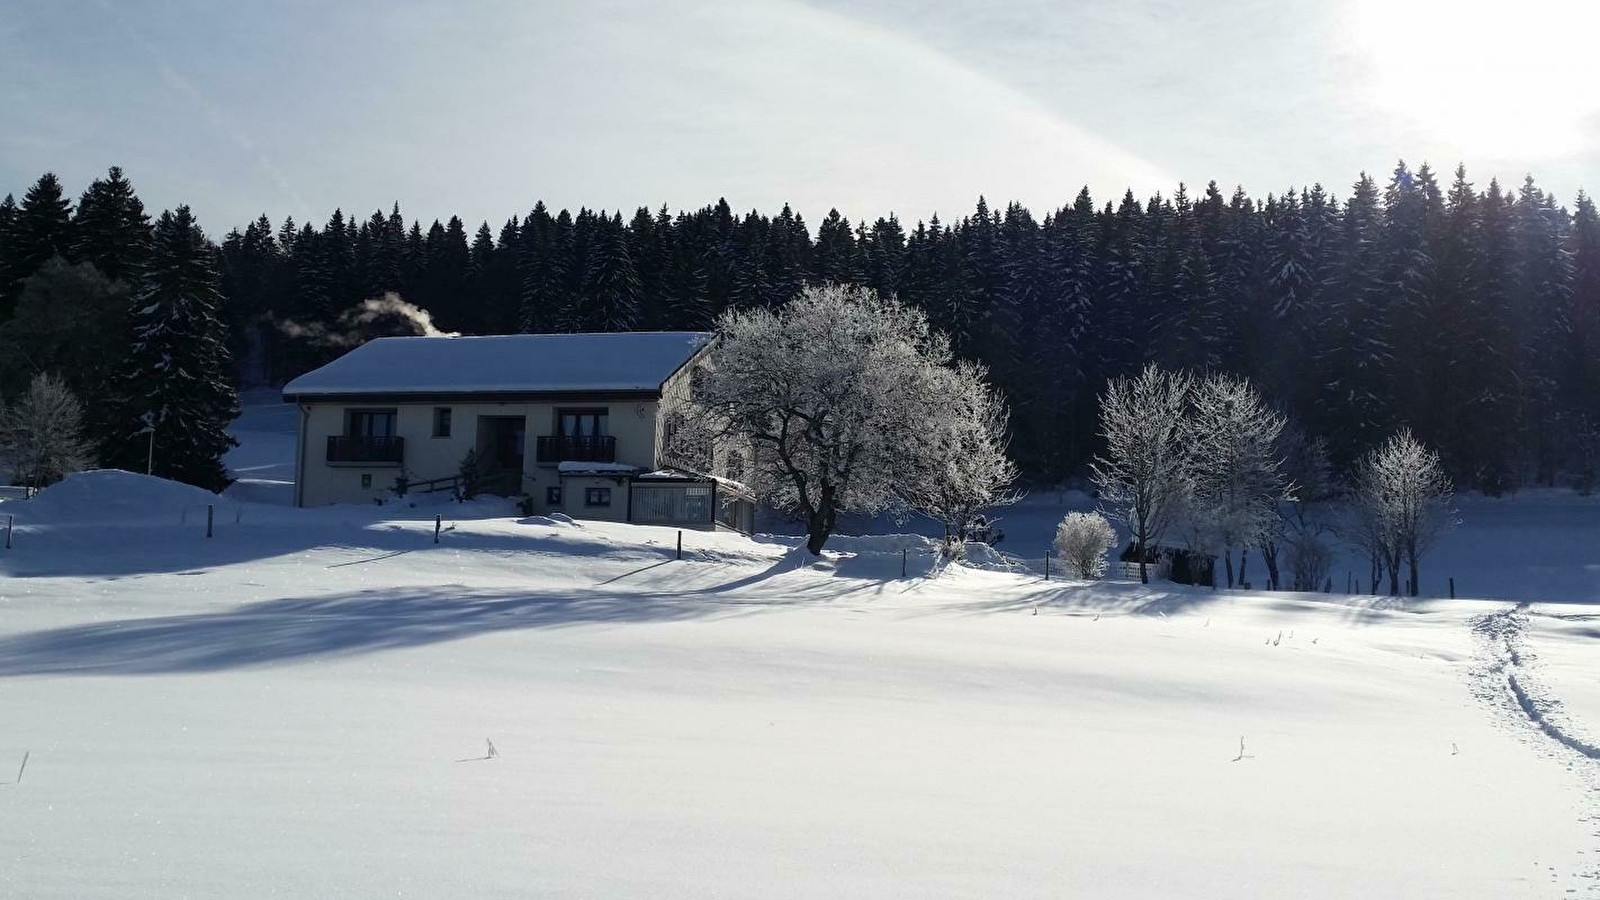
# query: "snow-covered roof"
504 364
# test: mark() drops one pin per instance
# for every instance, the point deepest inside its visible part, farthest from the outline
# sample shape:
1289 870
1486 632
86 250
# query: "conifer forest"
1468 312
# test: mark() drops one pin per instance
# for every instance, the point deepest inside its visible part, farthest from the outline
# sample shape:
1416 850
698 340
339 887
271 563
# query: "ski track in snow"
1506 678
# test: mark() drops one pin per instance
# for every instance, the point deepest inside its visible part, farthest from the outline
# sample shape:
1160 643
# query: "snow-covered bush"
848 401
1144 474
1082 541
42 431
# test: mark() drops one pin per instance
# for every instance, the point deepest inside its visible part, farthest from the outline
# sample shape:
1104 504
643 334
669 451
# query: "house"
572 423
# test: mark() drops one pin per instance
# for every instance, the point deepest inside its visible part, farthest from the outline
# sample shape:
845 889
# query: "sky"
868 106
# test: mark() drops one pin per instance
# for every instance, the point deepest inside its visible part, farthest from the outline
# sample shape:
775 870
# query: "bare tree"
963 466
836 395
43 430
1303 527
1144 473
1082 540
1231 439
1402 503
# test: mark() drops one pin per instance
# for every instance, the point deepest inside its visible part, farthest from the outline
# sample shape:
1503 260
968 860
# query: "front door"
500 442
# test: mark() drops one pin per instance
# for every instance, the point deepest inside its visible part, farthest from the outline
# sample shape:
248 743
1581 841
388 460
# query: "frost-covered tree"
1402 504
1234 465
42 431
963 466
1143 476
1082 540
836 393
173 397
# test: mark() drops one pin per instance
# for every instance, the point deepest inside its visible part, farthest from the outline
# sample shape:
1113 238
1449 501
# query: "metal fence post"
210 511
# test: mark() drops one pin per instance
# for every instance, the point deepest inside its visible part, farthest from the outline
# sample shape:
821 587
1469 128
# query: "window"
370 423
441 421
366 479
597 496
552 496
582 423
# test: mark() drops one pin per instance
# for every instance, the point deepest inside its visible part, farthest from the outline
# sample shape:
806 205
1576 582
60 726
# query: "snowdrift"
105 495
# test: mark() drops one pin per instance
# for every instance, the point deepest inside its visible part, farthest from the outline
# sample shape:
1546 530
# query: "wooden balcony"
357 450
558 448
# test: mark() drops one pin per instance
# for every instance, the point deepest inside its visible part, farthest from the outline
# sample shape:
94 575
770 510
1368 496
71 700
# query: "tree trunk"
1411 566
821 521
1227 556
1269 556
817 532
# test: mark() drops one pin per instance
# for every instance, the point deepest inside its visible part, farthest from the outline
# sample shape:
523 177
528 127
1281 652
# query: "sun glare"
1497 79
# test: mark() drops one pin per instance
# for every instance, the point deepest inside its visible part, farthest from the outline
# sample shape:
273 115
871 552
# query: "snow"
596 468
109 495
301 705
262 466
514 363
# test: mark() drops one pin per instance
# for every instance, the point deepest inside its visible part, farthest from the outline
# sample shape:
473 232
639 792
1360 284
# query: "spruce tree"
610 300
42 229
175 380
543 297
111 230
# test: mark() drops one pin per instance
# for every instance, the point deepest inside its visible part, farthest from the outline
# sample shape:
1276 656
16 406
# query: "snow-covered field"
301 707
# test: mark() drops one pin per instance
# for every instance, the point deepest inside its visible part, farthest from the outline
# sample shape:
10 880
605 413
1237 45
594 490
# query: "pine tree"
479 308
174 382
834 258
1498 410
42 228
111 230
1543 301
543 296
1354 354
610 300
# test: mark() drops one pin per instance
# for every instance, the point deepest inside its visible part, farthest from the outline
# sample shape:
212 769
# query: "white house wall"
632 423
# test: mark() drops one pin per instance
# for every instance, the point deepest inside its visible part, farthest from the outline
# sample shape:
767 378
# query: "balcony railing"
346 449
559 448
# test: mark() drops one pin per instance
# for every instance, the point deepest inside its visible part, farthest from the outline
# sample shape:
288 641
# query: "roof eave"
468 396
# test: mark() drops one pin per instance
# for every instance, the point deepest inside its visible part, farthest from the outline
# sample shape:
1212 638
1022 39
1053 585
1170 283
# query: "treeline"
1469 315
100 303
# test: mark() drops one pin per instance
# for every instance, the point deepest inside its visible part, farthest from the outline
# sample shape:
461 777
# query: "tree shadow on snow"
131 550
339 625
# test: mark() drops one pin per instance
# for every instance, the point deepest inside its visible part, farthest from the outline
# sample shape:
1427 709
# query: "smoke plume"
386 316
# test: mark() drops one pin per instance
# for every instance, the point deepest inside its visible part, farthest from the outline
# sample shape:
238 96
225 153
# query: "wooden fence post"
680 543
438 523
1047 565
902 562
1452 588
9 520
210 512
